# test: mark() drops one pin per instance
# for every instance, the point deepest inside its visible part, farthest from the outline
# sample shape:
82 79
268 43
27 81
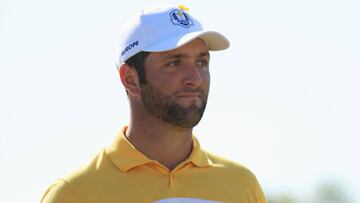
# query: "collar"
125 156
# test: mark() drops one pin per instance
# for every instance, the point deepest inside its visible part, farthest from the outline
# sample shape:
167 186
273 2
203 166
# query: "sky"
284 98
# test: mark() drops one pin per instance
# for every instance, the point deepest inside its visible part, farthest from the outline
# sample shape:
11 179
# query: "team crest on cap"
179 17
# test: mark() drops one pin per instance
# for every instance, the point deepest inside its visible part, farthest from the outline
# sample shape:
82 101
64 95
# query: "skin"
181 73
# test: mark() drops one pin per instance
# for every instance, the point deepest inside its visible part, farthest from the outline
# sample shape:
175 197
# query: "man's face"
178 84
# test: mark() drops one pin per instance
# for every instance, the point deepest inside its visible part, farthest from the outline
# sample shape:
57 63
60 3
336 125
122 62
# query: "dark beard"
165 108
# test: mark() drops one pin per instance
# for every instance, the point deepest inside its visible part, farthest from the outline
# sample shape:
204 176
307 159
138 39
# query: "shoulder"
222 162
69 188
231 168
95 167
239 176
59 191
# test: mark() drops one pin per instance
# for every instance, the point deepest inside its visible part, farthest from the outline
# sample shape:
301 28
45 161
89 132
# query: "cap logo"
179 17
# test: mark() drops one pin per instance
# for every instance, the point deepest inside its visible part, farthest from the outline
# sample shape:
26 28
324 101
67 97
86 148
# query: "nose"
193 76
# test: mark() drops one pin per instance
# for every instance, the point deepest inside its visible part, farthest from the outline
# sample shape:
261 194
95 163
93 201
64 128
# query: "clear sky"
284 98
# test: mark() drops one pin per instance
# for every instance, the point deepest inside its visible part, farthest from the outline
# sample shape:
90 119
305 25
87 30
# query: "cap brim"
214 40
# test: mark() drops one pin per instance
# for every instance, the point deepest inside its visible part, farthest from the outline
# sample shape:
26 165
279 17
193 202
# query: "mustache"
188 90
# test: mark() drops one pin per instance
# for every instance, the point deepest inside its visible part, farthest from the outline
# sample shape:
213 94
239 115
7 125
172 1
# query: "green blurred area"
327 192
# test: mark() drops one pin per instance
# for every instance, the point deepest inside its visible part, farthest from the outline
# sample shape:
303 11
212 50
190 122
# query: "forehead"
195 48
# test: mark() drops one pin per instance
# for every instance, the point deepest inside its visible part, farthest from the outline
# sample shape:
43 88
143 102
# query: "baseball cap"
164 28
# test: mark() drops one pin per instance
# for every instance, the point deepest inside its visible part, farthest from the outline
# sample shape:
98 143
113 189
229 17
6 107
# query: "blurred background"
284 98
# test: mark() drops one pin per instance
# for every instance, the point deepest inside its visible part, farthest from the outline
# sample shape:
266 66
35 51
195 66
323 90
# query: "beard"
165 108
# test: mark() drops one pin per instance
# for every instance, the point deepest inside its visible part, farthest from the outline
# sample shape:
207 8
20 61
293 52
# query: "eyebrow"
177 56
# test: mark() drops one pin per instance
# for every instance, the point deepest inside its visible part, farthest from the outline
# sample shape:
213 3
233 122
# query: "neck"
160 141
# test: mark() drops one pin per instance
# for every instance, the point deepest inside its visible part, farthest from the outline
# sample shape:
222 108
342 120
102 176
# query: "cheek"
165 84
206 77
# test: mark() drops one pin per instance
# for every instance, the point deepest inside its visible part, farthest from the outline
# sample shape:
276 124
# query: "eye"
174 63
203 63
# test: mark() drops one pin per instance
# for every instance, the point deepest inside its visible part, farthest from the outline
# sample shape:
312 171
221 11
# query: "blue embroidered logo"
130 46
179 17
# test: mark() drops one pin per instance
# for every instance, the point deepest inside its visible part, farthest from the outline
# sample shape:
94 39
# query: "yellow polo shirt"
121 173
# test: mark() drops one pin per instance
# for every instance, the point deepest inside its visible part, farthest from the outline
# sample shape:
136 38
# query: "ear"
129 79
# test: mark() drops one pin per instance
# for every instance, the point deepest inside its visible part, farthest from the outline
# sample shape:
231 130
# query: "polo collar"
125 156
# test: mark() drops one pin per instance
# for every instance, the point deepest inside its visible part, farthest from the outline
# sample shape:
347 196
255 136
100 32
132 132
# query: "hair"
138 62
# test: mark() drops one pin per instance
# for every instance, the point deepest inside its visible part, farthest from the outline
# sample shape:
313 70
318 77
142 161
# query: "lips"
190 96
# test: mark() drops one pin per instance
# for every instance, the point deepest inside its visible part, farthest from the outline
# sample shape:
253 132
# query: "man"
164 66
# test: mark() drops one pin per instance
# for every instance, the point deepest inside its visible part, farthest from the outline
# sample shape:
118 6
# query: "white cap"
162 29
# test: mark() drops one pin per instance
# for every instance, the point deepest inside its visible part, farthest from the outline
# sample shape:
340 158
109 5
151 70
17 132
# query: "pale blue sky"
284 98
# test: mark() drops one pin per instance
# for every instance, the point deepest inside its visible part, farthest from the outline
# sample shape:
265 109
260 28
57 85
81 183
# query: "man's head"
165 66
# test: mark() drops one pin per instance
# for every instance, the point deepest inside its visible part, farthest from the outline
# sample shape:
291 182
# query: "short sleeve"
59 192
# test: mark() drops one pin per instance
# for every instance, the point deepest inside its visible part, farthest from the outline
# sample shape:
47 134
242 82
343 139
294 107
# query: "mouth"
190 94
190 99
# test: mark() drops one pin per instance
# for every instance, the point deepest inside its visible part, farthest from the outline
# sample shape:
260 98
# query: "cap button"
182 7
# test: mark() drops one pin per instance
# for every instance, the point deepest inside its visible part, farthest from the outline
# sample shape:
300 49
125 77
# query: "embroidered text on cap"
130 46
